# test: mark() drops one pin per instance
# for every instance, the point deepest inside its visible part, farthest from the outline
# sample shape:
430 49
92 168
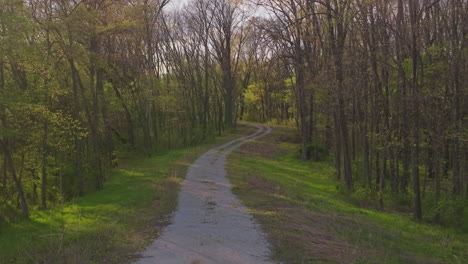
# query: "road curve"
210 224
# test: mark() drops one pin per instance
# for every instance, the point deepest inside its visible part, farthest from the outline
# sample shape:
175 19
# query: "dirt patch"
299 235
319 244
295 139
259 149
264 186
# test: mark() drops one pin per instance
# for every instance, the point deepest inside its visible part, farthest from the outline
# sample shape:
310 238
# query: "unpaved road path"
210 224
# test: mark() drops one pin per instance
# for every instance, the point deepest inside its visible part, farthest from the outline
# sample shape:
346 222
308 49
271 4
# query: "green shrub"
364 196
316 152
400 202
451 211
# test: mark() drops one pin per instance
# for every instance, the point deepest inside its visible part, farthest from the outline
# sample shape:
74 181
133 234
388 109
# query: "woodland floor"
297 205
308 220
111 225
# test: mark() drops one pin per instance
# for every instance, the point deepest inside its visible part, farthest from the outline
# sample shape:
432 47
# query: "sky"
176 4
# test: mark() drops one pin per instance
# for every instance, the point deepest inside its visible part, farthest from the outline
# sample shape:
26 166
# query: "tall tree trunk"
19 186
2 114
228 83
403 85
5 172
148 109
417 213
128 116
337 145
206 79
44 165
300 93
78 139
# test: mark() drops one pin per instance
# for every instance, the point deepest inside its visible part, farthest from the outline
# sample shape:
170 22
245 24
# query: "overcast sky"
176 4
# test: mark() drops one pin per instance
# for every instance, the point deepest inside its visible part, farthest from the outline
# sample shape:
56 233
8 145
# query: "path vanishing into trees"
210 224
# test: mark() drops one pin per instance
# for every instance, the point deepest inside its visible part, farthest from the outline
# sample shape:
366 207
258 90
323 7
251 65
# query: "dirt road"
210 224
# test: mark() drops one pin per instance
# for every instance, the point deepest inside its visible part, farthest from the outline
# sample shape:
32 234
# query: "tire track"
210 225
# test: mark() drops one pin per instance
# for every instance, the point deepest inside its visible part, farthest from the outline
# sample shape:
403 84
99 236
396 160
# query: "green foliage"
316 152
401 202
362 196
76 88
263 97
449 211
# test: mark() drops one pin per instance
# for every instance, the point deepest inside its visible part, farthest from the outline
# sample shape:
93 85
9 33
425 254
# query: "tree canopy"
380 84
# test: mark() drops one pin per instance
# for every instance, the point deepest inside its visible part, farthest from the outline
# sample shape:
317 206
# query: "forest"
380 87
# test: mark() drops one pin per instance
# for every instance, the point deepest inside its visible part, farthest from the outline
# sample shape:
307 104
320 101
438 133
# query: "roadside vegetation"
111 225
376 89
310 218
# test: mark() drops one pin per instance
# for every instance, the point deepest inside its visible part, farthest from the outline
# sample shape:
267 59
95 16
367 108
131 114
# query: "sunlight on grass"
262 212
114 222
85 215
311 185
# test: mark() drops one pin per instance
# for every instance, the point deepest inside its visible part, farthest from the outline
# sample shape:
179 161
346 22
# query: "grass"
111 225
308 219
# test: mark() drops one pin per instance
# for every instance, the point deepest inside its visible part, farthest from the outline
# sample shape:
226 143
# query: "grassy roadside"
112 225
308 221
